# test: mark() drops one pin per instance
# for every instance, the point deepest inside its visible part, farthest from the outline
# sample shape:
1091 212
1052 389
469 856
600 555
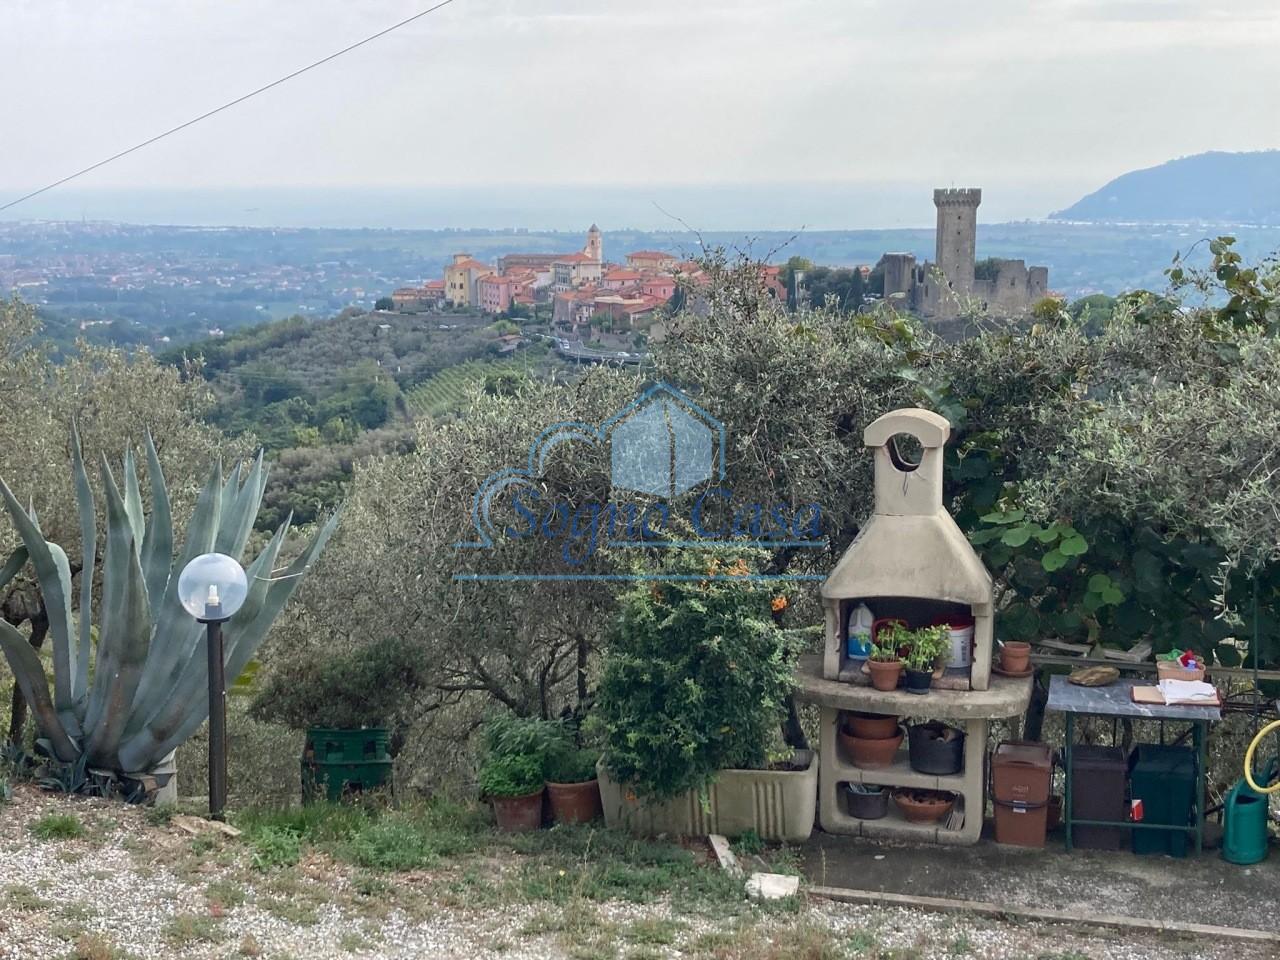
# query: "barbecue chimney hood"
910 561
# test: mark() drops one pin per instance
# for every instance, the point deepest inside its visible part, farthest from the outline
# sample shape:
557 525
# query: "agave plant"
146 689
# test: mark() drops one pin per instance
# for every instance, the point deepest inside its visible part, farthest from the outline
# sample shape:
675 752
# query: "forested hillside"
320 396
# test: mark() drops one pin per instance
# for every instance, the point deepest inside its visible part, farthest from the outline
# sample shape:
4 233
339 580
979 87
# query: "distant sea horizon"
764 206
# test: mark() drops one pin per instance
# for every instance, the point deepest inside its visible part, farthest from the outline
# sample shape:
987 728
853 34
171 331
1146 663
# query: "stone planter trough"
776 804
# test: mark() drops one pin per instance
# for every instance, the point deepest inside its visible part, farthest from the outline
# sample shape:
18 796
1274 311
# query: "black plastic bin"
1098 793
1163 778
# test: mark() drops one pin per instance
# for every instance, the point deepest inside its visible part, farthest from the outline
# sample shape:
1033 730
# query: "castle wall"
899 270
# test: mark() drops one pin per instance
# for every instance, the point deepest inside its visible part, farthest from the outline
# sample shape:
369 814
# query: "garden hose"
1248 759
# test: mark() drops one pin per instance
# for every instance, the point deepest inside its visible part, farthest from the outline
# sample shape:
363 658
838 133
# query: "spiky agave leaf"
54 575
126 630
240 509
188 707
89 550
190 693
29 672
175 634
157 545
17 560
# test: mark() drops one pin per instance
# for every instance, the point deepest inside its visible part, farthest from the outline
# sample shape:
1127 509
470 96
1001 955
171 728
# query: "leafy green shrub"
695 677
58 826
273 847
511 776
367 685
572 765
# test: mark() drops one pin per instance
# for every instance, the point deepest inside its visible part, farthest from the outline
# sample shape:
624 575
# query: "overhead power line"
226 106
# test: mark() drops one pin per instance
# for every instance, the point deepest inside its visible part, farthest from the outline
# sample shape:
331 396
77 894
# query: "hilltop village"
593 298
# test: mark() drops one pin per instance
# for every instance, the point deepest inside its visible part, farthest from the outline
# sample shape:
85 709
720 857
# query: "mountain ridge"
1217 186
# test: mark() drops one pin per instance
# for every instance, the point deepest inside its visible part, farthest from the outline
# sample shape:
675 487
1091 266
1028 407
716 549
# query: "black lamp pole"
213 620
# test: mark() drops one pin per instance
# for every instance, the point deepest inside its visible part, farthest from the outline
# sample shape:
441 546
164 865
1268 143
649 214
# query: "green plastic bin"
336 763
1164 779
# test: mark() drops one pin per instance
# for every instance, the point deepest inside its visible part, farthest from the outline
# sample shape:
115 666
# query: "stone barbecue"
911 562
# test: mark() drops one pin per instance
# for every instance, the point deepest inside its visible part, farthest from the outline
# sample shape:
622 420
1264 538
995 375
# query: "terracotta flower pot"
574 802
871 754
885 673
518 814
923 806
870 726
1015 656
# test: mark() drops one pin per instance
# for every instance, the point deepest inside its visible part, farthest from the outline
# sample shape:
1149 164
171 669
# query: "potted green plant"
572 788
514 785
924 646
517 751
885 663
692 693
348 703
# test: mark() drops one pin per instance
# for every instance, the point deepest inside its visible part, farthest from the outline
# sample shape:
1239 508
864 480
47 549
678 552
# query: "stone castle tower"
595 245
951 284
957 236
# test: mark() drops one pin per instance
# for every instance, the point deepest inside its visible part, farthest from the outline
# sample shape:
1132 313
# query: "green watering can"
1244 821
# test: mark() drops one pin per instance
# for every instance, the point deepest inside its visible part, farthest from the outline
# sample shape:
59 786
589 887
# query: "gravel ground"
127 889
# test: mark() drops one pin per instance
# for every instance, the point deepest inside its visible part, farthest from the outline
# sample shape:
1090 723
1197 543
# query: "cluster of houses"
591 298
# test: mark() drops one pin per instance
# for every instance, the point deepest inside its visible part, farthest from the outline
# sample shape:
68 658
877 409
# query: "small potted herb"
924 646
885 663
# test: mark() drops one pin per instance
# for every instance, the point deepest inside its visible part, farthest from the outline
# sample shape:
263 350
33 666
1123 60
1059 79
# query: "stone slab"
772 886
1005 697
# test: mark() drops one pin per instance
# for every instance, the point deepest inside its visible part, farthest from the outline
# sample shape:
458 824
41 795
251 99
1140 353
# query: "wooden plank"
984 908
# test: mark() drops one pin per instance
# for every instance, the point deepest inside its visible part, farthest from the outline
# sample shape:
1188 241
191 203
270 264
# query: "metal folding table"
1116 700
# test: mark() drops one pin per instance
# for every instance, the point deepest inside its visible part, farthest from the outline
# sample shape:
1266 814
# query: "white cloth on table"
1188 691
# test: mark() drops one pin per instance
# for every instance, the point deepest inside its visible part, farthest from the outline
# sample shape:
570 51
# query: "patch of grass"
961 946
352 942
58 826
569 862
249 946
274 847
96 946
749 844
159 816
392 843
187 928
653 931
21 897
863 942
225 893
301 914
75 910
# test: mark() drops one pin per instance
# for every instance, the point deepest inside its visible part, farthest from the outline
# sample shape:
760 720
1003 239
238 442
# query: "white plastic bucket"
961 646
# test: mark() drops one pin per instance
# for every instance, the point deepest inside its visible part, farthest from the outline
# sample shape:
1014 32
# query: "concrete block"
772 886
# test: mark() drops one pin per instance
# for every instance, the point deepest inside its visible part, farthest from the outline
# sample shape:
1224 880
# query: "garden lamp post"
212 587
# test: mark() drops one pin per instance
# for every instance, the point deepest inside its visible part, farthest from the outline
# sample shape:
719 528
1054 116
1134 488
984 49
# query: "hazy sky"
1036 100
